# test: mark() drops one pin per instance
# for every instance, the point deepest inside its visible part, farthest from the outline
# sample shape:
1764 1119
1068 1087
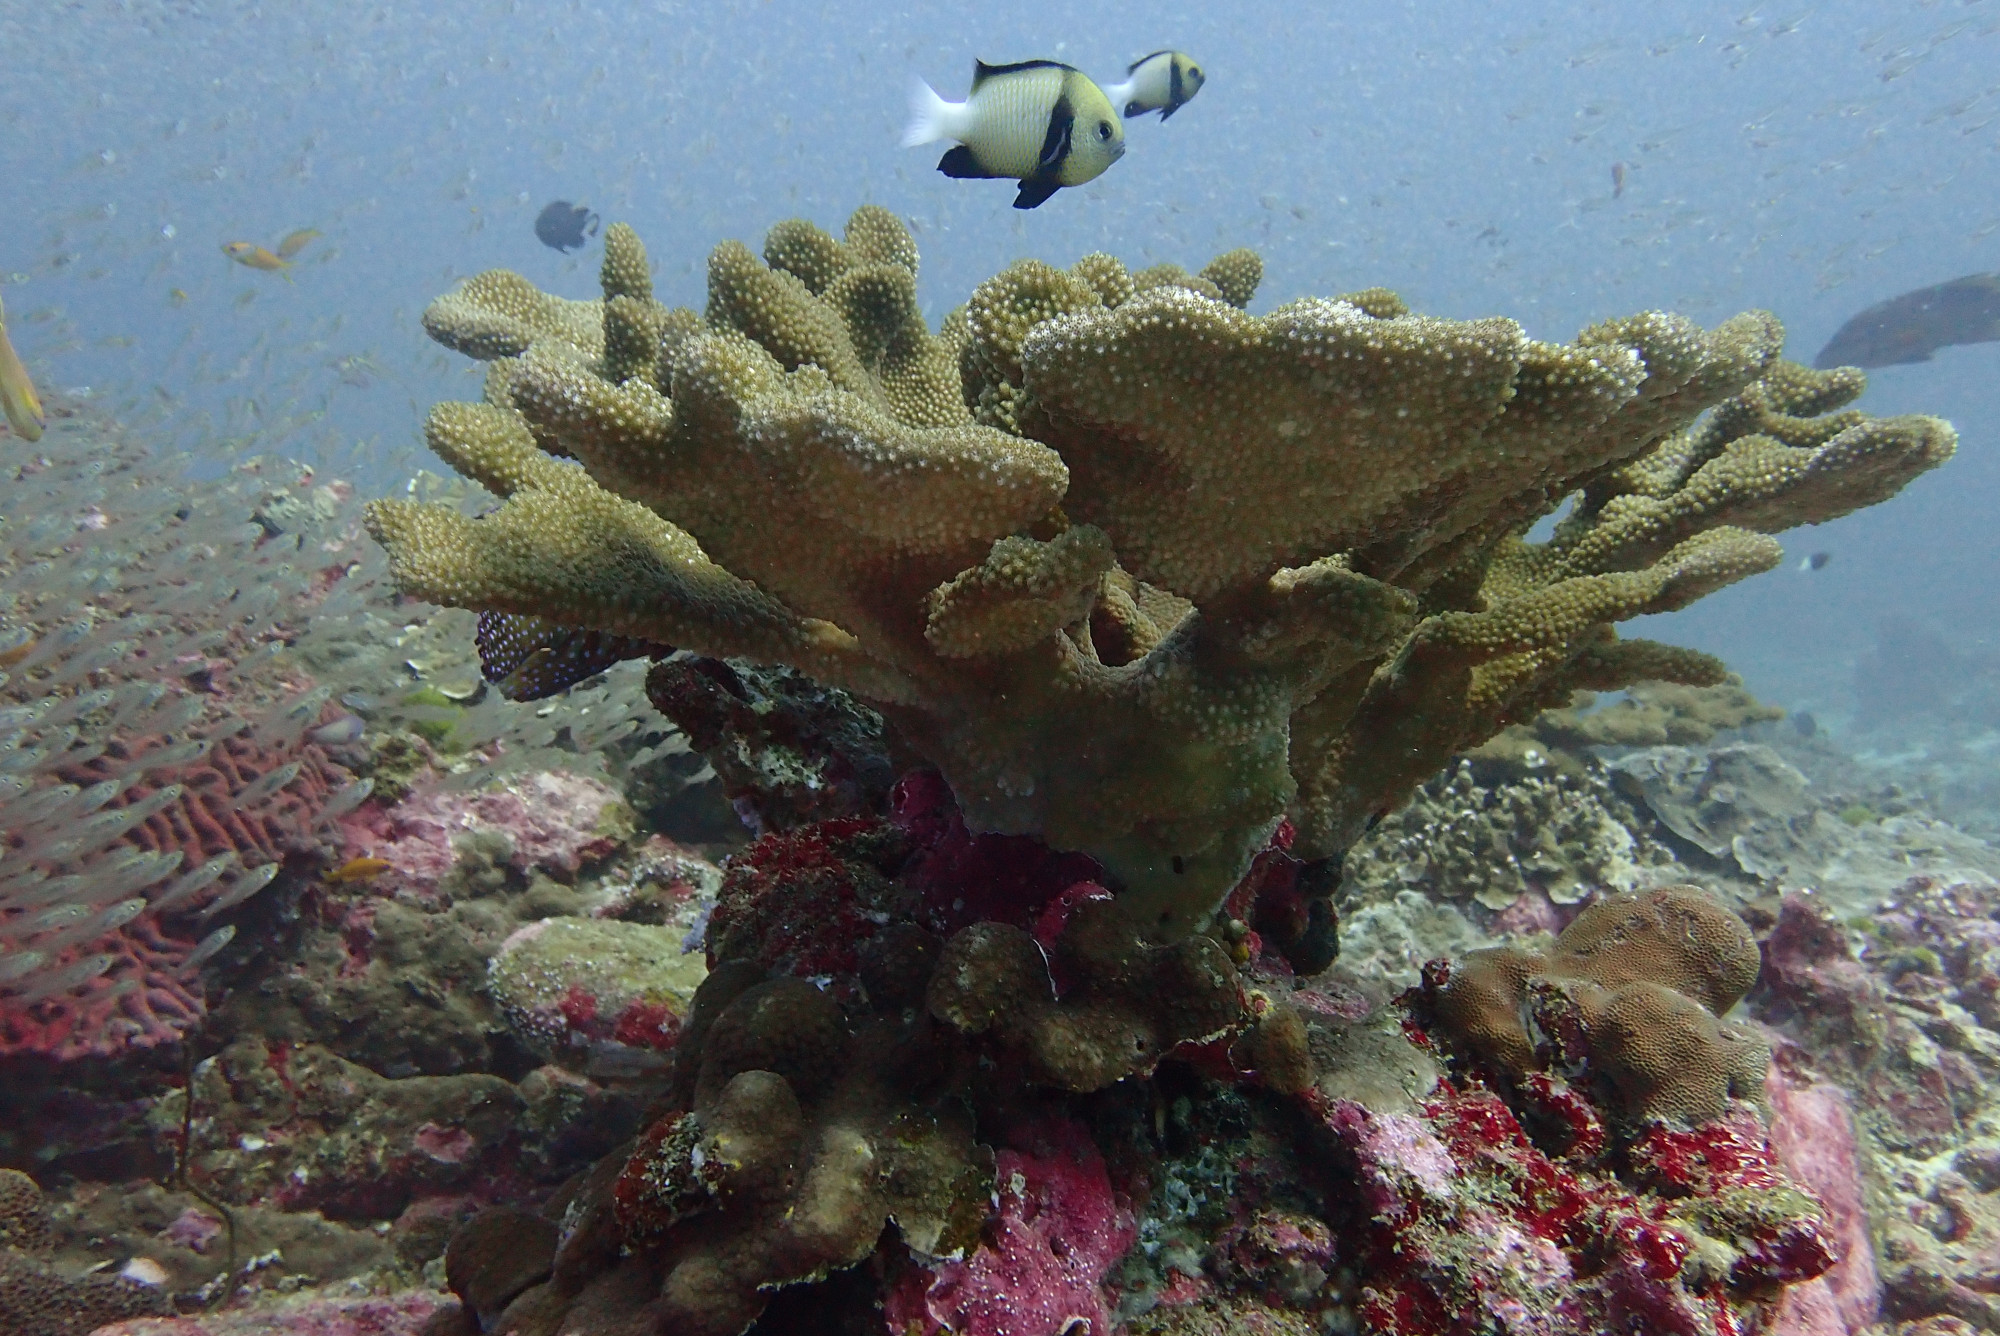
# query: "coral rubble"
1141 573
1898 1011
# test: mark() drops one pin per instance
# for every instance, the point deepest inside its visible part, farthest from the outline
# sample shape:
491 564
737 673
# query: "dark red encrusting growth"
1465 1227
578 1007
966 878
645 1024
818 901
651 1194
1730 1152
798 902
1563 1122
1463 1223
810 901
1288 905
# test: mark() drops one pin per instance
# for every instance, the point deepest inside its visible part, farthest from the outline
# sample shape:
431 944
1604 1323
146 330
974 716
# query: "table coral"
1139 572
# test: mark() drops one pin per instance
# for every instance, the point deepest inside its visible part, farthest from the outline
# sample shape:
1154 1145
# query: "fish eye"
1194 71
1104 129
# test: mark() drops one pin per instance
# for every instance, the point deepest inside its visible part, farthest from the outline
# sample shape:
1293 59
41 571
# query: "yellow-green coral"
1139 571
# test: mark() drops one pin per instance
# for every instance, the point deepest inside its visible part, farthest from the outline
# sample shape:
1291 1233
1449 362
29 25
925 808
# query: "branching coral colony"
1140 573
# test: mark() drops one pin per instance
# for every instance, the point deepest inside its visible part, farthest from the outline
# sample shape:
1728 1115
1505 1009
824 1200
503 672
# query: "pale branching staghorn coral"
1140 572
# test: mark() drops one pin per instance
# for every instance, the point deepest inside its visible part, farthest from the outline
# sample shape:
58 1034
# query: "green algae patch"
584 990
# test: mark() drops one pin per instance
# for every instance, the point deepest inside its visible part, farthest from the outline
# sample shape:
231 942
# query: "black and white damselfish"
1039 122
1164 82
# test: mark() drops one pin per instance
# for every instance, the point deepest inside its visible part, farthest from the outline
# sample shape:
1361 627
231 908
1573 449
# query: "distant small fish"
1164 82
1911 327
359 869
1617 180
17 391
1816 562
294 242
176 297
1804 724
563 226
345 729
252 256
1038 122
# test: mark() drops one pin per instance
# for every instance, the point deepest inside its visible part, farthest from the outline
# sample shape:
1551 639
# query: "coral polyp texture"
1141 573
1631 992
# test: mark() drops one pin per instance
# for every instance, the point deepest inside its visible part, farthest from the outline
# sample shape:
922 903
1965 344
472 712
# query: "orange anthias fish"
359 869
17 392
253 256
295 242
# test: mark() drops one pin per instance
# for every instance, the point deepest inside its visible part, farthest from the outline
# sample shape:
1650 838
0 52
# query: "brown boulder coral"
1633 988
40 1299
804 1139
1141 573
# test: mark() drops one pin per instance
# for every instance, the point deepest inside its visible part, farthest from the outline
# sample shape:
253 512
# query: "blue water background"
1806 158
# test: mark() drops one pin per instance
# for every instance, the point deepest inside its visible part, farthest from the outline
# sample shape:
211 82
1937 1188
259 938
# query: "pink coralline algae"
1464 1225
554 822
395 1315
1039 1266
1812 1132
1908 1027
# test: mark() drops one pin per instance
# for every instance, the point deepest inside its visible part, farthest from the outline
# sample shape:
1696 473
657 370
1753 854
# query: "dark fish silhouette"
528 658
563 226
1911 327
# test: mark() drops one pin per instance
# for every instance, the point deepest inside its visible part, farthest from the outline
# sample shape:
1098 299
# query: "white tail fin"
931 117
1119 94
